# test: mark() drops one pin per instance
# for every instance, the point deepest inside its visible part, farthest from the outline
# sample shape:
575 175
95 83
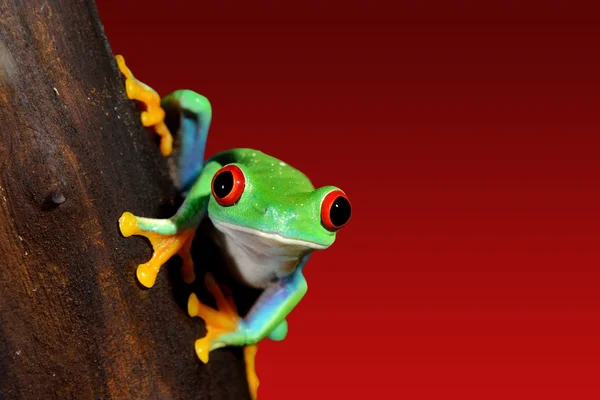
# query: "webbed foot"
154 115
164 245
222 321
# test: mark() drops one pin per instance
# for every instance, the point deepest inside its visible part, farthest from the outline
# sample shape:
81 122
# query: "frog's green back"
288 178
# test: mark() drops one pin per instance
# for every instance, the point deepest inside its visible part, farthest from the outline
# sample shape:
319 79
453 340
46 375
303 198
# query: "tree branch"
74 323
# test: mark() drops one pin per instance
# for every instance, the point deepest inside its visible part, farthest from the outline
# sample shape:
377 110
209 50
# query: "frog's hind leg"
154 115
224 319
218 321
166 239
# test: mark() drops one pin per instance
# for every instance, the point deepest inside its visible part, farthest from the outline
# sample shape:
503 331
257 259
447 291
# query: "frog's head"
273 215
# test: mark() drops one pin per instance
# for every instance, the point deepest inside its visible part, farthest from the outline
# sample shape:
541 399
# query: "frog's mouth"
260 258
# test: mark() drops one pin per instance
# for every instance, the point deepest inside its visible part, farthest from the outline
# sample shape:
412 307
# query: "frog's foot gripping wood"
219 322
250 358
164 246
154 115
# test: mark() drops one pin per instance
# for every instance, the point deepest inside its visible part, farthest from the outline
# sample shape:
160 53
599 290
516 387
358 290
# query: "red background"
467 139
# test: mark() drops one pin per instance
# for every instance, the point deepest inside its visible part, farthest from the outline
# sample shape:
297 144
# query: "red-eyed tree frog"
266 216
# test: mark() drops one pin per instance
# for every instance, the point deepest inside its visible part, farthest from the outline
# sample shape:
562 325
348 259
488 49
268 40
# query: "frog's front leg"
174 235
265 319
154 115
167 239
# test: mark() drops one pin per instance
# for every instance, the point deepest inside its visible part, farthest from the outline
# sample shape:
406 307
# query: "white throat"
258 258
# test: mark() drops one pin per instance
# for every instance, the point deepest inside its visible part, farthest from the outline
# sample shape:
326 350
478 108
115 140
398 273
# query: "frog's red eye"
335 210
228 185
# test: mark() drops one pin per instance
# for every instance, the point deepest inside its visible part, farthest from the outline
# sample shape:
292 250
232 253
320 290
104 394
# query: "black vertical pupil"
340 211
223 184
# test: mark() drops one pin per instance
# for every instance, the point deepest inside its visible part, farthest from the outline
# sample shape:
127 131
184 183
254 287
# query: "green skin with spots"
294 206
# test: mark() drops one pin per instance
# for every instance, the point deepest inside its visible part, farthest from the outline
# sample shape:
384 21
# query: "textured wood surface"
74 323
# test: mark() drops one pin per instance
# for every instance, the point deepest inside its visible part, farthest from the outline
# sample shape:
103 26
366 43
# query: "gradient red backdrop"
467 139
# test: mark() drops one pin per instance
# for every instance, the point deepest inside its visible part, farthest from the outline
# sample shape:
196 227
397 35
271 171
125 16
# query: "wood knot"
53 200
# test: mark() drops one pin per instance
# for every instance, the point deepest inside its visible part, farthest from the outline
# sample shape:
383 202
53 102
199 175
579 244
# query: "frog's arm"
267 316
265 319
172 235
195 113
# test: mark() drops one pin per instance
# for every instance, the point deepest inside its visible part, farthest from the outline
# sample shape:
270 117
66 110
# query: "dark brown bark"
74 323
